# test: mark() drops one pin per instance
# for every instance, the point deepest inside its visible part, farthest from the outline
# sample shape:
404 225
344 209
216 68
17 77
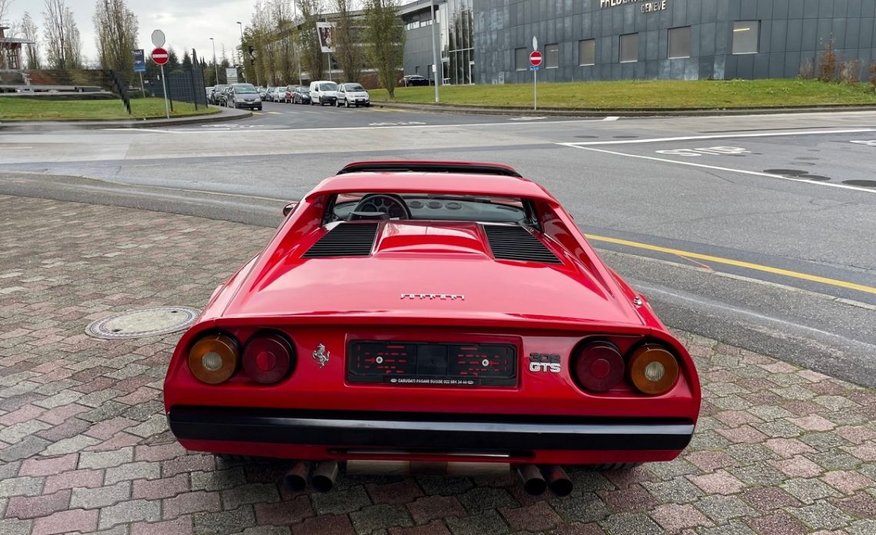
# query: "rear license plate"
431 364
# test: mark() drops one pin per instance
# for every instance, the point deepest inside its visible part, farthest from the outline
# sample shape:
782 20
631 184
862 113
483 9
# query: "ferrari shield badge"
321 356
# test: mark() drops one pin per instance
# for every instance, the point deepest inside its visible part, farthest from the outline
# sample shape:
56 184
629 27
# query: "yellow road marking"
737 263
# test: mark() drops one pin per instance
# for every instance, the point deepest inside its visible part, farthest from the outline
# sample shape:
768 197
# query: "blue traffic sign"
139 60
534 67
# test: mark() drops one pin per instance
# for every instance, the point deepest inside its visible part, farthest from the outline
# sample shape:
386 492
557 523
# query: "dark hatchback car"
217 93
413 80
300 95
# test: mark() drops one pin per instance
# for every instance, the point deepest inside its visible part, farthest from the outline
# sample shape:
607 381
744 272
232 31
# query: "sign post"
160 56
534 64
140 67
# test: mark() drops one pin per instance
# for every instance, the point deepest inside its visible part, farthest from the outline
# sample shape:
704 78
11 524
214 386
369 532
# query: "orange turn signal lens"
653 370
213 359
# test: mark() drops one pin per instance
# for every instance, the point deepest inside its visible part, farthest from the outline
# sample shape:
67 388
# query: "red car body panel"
534 307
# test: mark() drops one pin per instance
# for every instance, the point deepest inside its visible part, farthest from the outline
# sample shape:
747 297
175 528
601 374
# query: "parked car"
410 314
300 95
216 95
278 94
209 89
323 92
263 92
243 96
412 80
352 94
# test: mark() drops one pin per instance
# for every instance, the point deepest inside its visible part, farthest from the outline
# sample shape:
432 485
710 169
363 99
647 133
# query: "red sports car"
438 316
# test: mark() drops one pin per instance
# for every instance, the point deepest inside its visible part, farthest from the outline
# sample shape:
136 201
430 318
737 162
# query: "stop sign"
159 56
535 58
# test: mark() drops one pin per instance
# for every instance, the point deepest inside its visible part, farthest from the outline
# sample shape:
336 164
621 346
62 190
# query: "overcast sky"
186 23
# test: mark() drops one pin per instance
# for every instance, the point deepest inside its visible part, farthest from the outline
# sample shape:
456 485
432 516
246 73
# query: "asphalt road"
759 231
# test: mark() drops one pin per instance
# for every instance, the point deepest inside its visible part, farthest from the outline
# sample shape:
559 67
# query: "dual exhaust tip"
536 480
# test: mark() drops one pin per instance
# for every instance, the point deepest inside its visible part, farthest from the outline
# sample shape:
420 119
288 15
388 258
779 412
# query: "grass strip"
40 109
645 95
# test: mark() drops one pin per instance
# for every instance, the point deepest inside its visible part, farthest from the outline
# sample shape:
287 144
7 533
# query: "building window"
629 48
521 59
587 52
679 42
551 56
746 35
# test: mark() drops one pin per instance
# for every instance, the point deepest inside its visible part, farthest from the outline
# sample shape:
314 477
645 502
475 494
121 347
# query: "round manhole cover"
142 323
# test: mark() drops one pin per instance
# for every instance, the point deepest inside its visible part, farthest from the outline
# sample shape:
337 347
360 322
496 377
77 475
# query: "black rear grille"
347 239
516 243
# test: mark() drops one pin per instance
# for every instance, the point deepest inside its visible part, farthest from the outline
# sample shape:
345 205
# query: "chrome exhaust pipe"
324 475
558 481
295 478
533 482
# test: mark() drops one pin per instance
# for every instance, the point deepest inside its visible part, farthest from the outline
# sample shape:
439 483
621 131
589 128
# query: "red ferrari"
431 316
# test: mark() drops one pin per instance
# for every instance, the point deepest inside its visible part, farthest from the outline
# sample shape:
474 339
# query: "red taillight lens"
267 358
213 358
653 369
599 366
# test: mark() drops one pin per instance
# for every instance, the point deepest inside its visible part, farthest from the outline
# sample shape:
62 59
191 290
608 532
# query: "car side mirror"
289 208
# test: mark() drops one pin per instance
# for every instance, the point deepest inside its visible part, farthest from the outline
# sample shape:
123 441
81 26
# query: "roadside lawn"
644 95
40 109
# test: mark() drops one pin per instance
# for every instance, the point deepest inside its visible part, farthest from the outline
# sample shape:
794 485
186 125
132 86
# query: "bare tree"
308 42
63 44
281 17
29 30
116 27
348 52
385 37
4 8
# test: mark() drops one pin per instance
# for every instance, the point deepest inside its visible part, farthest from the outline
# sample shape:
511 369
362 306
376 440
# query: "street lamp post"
215 65
242 66
435 53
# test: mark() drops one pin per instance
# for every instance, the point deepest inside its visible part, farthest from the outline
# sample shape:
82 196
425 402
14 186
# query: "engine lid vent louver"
346 239
516 243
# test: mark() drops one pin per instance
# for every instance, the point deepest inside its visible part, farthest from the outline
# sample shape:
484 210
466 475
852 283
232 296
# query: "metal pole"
434 53
142 90
534 90
164 83
242 64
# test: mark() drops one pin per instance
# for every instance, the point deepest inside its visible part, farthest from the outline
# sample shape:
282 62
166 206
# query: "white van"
323 92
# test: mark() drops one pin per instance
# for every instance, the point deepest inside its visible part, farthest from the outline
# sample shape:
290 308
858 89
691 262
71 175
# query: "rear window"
420 206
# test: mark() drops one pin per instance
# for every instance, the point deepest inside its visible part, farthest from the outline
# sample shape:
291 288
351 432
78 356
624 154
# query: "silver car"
352 94
278 94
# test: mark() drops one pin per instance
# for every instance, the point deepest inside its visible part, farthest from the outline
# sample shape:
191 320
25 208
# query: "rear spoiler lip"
402 166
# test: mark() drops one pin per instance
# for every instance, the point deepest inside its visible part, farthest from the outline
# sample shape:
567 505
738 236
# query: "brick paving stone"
180 526
478 524
673 517
798 466
394 493
218 480
769 498
631 499
74 479
630 524
709 461
66 522
436 527
431 507
724 508
535 518
860 505
156 489
36 506
248 494
484 498
578 529
325 525
848 482
678 490
160 452
28 447
341 500
106 459
809 490
188 463
379 517
100 496
130 511
584 509
191 502
13 526
21 486
779 523
48 466
286 512
719 482
131 471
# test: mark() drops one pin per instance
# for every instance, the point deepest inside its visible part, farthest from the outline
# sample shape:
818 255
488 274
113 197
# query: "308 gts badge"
544 363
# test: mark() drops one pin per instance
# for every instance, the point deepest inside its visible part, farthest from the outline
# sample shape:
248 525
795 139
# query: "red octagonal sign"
159 56
535 58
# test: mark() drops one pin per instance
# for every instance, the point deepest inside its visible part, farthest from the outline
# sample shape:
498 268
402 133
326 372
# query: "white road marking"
527 118
708 151
611 118
720 136
716 168
866 142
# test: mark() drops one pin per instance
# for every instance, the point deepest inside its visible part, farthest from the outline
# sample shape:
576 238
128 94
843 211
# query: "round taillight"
267 358
599 366
653 369
213 358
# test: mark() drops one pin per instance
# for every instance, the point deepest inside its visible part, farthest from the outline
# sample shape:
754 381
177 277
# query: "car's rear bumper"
417 432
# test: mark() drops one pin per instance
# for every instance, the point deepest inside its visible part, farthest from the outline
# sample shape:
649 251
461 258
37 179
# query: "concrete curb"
554 112
224 114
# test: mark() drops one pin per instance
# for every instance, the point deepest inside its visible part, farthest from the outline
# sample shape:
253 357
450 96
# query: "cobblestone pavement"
84 446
